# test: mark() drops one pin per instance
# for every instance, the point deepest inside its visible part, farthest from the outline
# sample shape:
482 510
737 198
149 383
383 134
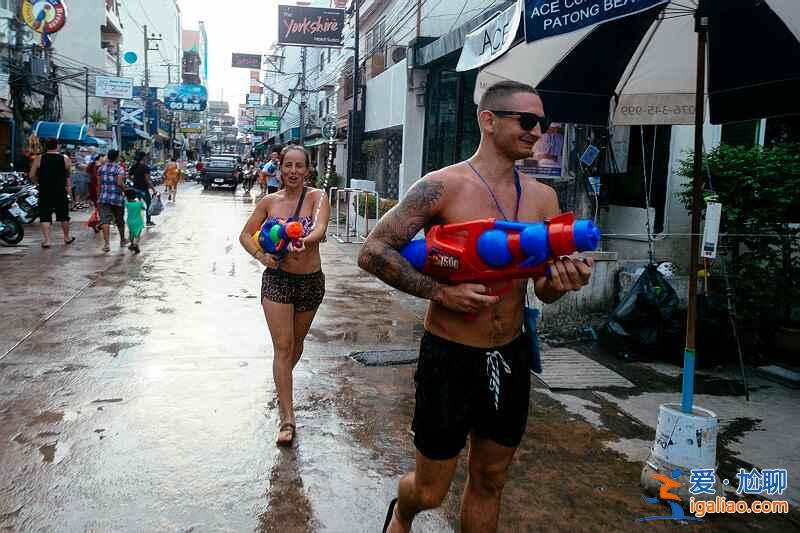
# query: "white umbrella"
650 68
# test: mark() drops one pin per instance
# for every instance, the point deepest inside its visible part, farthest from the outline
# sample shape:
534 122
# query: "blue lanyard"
499 208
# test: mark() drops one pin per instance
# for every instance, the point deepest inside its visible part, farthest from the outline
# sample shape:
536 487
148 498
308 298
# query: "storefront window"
451 128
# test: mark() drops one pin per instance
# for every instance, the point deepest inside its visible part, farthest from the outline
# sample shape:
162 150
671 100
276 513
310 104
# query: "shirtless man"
461 359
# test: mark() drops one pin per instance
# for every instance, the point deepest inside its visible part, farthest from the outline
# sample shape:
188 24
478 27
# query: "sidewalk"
591 429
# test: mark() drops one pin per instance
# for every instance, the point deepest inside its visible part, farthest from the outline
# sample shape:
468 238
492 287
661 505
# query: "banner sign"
185 97
310 26
253 100
194 127
113 87
266 123
491 40
252 61
547 18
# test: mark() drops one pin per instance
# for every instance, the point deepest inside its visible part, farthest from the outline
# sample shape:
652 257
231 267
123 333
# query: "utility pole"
17 82
119 102
303 98
169 71
147 39
86 96
354 144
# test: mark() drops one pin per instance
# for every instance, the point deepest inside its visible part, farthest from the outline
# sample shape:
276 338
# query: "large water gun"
486 251
274 237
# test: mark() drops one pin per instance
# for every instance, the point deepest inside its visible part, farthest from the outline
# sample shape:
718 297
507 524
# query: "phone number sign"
646 110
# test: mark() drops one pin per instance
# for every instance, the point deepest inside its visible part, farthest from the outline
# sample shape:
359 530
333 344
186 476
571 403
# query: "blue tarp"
63 131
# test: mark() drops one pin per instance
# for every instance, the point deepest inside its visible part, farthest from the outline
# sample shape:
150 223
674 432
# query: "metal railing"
351 225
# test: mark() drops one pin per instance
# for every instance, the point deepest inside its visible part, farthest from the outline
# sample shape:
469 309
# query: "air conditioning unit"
397 54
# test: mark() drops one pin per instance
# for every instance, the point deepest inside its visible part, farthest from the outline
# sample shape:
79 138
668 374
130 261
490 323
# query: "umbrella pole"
701 27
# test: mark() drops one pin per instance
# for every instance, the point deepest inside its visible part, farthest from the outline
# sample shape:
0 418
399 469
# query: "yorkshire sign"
547 18
491 40
310 26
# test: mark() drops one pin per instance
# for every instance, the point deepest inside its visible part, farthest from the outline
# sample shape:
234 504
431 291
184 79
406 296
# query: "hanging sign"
113 87
186 97
130 57
251 61
711 233
546 18
310 26
44 16
491 40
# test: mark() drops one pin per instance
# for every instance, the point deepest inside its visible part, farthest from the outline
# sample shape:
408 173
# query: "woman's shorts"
304 291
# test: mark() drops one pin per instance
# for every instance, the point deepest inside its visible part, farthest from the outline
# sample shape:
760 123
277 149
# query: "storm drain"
386 357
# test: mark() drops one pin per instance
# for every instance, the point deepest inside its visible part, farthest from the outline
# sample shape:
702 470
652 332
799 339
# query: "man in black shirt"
51 172
141 182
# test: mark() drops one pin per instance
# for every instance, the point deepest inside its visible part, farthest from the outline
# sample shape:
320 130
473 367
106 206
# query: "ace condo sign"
546 18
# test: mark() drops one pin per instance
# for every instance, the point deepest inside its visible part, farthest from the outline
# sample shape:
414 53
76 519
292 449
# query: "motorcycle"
11 230
27 204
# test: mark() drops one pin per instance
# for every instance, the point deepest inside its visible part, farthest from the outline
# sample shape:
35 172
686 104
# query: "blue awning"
62 131
94 141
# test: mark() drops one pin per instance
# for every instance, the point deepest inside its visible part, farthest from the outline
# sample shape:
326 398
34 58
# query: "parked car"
221 172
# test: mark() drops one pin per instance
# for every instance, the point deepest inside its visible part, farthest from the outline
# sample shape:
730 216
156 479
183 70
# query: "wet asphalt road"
146 403
136 395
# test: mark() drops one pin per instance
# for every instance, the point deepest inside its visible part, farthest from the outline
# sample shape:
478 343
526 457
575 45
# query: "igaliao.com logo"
703 481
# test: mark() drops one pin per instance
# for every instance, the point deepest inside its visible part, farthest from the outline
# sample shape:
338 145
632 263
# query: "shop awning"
316 142
62 131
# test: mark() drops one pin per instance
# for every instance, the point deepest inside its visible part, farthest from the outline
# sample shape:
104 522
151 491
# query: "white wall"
76 45
413 138
673 244
386 99
160 17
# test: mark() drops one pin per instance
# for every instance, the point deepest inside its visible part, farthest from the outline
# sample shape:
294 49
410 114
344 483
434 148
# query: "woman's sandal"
70 240
389 515
286 426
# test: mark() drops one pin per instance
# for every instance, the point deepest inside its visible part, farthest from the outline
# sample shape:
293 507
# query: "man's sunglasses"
527 121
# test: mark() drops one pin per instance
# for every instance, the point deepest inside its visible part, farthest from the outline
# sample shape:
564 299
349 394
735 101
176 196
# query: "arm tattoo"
380 254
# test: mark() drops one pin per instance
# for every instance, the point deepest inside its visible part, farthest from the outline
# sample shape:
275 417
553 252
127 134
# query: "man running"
473 375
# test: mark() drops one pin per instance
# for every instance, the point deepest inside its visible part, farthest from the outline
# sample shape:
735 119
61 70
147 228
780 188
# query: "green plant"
372 148
97 118
385 205
759 188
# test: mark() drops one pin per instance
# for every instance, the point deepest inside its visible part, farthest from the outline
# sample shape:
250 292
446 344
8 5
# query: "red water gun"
486 251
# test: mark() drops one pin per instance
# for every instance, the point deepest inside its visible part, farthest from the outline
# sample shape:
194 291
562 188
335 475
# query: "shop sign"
491 40
310 26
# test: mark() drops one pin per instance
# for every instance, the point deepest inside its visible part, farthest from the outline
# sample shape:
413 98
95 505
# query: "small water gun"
274 237
486 251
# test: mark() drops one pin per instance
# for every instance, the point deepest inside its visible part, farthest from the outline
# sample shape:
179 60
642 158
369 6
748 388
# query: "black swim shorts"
461 389
304 291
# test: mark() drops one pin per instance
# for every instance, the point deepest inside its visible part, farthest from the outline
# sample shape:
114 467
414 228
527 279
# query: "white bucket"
686 440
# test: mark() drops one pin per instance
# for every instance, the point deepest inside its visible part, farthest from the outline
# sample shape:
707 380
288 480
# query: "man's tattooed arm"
380 255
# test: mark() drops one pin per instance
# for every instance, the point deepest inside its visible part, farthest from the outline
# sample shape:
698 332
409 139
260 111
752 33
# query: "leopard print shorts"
304 291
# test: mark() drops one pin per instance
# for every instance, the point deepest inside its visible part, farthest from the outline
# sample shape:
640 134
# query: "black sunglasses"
527 121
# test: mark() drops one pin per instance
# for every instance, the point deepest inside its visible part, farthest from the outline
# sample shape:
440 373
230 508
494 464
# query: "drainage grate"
386 357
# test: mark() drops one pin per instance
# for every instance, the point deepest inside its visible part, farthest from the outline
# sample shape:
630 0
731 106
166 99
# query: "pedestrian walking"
171 178
51 171
112 199
292 288
272 170
140 172
135 207
473 374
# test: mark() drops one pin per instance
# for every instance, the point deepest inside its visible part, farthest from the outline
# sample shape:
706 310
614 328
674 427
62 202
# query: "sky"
245 26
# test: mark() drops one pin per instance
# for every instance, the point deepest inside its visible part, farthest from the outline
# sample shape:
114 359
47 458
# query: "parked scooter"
28 204
11 230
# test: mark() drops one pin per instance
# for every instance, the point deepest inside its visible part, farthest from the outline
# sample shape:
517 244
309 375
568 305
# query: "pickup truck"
221 172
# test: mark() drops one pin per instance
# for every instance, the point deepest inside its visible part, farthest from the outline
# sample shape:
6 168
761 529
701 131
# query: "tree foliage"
759 188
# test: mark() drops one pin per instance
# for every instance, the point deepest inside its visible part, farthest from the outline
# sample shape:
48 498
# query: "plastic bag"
94 220
648 322
156 206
